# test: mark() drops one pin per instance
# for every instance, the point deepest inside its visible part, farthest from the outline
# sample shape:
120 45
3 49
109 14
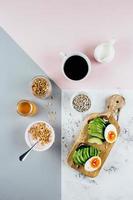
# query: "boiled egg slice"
93 164
110 133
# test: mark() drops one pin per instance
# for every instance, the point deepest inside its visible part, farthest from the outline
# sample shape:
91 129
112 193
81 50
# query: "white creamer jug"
105 52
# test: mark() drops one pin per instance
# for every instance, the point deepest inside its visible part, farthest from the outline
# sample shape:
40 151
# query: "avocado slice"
85 155
88 152
79 157
96 134
92 151
100 120
75 158
95 140
96 151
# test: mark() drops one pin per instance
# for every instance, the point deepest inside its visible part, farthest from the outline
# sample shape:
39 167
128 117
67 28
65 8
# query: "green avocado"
75 158
88 152
85 155
96 152
82 157
100 120
95 140
96 134
79 158
96 128
92 151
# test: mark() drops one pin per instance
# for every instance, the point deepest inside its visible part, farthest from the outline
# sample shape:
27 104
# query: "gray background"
39 176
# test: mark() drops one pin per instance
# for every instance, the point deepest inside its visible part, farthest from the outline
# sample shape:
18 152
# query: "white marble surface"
116 177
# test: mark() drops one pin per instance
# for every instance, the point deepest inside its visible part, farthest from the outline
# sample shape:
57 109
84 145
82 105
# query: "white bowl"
76 94
39 147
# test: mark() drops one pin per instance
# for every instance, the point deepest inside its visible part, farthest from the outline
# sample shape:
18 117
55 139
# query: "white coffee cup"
80 54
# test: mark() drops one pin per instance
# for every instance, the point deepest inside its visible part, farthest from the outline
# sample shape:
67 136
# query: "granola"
40 87
40 131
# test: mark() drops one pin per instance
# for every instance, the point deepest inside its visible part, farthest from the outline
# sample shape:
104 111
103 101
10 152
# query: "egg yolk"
95 163
111 136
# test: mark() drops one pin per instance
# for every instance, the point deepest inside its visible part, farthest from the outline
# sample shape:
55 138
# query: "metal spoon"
24 155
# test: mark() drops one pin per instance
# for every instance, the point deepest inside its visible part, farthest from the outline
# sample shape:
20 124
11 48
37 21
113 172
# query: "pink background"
43 28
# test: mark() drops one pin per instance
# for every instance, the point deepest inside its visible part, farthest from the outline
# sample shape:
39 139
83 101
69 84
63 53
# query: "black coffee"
76 68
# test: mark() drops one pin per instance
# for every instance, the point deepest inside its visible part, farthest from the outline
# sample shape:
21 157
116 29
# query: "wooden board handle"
115 104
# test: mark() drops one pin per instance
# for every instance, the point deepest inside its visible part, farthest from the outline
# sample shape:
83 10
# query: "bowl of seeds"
41 87
81 102
40 131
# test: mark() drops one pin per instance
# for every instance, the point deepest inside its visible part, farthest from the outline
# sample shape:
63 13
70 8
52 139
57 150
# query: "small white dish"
76 94
105 52
39 147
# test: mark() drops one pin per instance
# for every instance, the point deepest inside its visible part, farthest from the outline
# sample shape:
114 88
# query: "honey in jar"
26 108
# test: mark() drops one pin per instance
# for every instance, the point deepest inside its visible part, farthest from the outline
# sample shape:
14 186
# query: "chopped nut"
40 87
41 132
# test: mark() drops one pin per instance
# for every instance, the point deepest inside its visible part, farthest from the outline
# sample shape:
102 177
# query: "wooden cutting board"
114 105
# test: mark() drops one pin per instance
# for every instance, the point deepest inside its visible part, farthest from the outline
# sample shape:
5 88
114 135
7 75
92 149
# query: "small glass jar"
41 87
26 108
